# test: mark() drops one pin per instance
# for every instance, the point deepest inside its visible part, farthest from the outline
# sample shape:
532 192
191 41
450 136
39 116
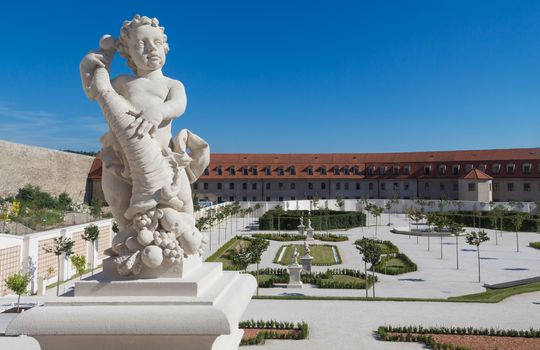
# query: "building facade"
481 175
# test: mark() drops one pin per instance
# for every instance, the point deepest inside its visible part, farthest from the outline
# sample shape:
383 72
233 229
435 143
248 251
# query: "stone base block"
112 321
180 270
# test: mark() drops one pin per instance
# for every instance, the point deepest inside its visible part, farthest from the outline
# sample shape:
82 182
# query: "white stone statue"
295 256
146 173
307 250
301 220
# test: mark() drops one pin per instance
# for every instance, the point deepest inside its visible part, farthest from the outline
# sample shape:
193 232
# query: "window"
231 186
293 186
510 187
441 186
280 185
267 171
281 171
346 186
219 185
355 170
244 185
309 170
231 198
232 170
219 199
395 186
292 170
245 171
426 186
455 187
195 186
442 169
310 186
527 168
455 169
244 199
482 167
322 170
206 172
219 171
358 185
469 167
510 167
427 169
383 170
527 187
267 186
267 199
407 169
280 198
336 170
406 186
383 186
323 186
255 171
370 186
205 185
395 170
338 186
471 186
496 187
254 198
370 170
293 198
254 186
346 171
496 168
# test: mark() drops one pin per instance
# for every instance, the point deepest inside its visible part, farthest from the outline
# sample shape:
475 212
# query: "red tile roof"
477 174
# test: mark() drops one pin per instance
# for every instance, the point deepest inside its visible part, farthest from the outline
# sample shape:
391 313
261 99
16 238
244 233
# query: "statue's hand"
148 121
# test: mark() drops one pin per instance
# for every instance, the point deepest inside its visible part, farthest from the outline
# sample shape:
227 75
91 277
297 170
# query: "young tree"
376 211
476 239
18 283
517 220
440 222
79 262
91 234
373 256
257 248
456 229
61 246
95 208
363 247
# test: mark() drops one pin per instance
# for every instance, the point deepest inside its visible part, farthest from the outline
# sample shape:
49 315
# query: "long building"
480 175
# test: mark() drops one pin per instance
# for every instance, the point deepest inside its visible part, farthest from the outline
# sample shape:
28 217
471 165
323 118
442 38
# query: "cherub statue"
307 250
295 256
146 174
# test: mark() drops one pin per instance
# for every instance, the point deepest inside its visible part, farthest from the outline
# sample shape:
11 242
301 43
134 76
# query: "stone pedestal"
295 280
309 234
199 311
301 229
307 262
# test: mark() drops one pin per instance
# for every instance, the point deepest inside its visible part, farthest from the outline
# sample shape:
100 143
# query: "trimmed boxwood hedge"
535 245
410 266
530 224
320 219
285 237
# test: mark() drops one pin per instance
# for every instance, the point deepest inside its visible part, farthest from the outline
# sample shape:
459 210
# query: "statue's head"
144 43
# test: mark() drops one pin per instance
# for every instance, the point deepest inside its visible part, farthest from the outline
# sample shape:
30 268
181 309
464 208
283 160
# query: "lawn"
322 254
496 295
222 254
535 245
395 265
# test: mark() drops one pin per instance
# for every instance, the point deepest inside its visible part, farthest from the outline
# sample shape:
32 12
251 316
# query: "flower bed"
323 255
256 332
395 264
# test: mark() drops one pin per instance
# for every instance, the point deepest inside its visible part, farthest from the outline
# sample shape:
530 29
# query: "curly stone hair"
136 22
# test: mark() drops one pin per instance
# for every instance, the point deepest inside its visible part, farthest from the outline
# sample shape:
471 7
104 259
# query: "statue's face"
146 48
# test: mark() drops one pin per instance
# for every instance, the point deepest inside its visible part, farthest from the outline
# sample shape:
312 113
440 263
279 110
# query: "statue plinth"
301 229
307 262
309 234
295 280
176 270
200 311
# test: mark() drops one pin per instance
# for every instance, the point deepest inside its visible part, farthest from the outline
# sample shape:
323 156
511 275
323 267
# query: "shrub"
320 219
535 245
409 265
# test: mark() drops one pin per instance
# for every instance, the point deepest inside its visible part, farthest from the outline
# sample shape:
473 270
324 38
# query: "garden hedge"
530 224
320 219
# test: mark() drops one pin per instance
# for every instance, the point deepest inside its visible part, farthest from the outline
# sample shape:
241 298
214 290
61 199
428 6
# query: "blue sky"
292 76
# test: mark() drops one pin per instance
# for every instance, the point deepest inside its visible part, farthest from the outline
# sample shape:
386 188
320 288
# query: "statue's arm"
176 101
93 60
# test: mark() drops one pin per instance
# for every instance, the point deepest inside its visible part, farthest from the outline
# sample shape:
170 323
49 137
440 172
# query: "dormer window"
206 172
370 170
346 170
442 169
355 170
527 167
407 170
382 170
427 169
281 171
255 171
496 168
510 168
268 171
309 170
482 167
219 171
245 171
336 170
292 170
469 167
395 170
322 170
232 170
455 169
